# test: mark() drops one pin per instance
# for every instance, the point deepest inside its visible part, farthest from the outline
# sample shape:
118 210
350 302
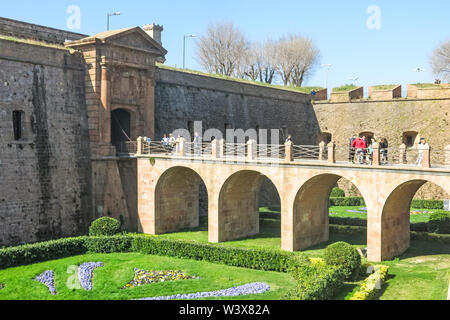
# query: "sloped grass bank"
118 270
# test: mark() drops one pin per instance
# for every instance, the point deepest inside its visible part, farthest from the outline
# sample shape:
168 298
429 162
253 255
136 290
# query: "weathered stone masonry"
45 176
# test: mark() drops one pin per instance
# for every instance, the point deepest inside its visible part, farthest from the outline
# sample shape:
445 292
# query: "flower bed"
247 289
142 277
372 284
86 272
47 278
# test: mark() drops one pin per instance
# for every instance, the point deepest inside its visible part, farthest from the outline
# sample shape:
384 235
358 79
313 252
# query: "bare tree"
440 61
267 61
248 66
297 57
222 49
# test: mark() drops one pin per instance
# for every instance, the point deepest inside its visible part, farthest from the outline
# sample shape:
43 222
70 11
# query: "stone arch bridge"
168 192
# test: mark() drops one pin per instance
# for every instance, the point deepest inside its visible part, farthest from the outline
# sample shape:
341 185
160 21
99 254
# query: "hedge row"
346 202
424 236
43 251
439 223
270 260
315 281
371 284
359 201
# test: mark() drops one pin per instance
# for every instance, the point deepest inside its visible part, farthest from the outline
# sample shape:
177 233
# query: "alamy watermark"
374 20
74 20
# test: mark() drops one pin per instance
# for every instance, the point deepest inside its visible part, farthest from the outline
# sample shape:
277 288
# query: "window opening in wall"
18 128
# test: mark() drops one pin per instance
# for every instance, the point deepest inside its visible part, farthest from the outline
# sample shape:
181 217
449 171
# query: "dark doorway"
120 128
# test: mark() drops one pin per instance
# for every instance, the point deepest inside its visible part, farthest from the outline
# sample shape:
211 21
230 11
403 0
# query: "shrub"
343 255
371 284
104 227
43 251
238 257
346 202
315 281
337 192
428 204
121 243
439 222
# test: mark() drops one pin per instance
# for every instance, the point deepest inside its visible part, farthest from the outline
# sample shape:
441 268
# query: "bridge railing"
308 153
126 147
400 156
270 151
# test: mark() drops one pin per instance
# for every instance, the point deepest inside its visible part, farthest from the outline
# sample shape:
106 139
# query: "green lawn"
342 212
118 270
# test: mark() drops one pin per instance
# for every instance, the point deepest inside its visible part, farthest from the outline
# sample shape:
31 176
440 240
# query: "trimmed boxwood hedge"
43 251
269 260
359 201
428 204
260 259
315 281
439 222
344 256
346 202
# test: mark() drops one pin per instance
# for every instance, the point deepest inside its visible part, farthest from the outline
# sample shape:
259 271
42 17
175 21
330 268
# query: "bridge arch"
238 205
177 202
395 217
310 211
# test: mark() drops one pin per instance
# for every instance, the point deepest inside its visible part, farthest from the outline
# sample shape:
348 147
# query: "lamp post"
110 15
355 80
328 66
184 47
419 70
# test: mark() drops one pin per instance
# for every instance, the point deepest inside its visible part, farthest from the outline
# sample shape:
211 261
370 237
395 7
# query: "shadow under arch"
177 205
395 218
238 207
311 211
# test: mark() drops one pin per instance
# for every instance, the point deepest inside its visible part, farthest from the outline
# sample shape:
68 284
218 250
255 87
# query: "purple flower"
47 278
86 272
251 288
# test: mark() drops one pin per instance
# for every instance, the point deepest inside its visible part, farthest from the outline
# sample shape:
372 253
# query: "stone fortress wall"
53 182
45 175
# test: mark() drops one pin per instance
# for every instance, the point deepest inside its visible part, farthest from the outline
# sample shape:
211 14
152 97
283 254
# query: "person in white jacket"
420 147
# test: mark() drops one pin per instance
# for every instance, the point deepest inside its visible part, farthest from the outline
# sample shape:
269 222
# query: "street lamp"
419 70
184 47
328 66
354 80
110 15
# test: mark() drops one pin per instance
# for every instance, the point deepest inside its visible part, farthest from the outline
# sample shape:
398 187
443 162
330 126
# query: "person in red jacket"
360 145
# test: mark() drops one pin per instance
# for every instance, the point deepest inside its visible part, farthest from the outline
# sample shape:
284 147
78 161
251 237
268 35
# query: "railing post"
402 155
331 152
139 146
289 157
222 148
182 148
215 149
321 150
447 155
251 150
375 154
426 160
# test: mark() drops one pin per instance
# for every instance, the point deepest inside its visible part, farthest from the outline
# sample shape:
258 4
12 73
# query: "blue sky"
409 32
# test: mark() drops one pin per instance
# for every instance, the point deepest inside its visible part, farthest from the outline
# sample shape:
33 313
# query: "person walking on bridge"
420 148
351 150
360 145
